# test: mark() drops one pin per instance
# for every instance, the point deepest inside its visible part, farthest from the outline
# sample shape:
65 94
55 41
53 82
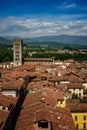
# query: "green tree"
74 96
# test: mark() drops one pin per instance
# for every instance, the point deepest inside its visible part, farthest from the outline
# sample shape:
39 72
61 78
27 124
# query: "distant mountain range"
5 40
65 39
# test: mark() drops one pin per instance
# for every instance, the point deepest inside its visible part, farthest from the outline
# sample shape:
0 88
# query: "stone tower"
18 52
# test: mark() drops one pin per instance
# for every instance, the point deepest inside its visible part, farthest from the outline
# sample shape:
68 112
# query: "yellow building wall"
80 120
62 103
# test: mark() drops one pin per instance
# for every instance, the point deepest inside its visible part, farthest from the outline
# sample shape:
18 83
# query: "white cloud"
68 4
32 27
72 5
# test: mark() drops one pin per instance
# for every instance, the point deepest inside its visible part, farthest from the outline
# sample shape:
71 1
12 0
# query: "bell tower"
18 52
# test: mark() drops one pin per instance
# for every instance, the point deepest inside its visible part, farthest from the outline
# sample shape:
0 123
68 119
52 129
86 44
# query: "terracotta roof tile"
36 108
7 100
81 107
40 111
25 67
3 116
14 84
38 59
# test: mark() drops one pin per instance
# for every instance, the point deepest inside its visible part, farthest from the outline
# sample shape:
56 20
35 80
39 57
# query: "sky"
34 18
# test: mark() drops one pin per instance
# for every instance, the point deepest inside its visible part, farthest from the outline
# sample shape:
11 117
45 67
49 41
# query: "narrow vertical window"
77 126
76 118
84 117
84 126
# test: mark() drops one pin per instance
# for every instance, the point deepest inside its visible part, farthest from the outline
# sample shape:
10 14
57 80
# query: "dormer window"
43 124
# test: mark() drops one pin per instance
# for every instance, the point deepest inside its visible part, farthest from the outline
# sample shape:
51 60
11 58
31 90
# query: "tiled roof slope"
14 84
7 100
58 116
41 105
3 116
81 107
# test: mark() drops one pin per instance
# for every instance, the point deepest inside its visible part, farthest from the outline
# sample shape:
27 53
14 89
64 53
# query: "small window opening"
43 124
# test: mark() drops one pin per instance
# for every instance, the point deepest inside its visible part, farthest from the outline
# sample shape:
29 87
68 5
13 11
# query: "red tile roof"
3 116
40 111
81 107
7 100
71 85
25 67
38 59
41 105
14 84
